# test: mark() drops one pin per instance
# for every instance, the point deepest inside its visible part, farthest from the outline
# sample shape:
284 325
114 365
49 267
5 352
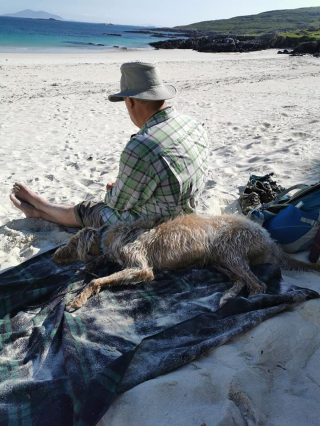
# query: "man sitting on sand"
162 168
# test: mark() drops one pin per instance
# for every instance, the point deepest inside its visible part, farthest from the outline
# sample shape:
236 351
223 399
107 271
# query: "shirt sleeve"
135 184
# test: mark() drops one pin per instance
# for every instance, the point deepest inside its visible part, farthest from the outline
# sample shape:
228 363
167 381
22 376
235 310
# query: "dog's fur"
229 243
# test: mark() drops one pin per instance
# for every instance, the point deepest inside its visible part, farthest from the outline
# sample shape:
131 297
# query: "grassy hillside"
277 20
302 35
293 38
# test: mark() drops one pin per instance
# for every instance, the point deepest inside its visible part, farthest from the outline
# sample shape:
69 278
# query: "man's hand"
109 186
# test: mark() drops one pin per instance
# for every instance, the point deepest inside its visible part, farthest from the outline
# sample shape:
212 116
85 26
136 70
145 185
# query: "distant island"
32 14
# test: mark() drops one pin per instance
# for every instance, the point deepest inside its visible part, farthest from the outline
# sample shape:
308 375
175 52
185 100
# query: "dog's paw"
232 292
92 288
79 300
257 290
70 308
225 298
75 304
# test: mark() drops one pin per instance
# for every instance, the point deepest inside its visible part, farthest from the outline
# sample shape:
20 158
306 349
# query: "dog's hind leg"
238 284
127 276
242 277
232 292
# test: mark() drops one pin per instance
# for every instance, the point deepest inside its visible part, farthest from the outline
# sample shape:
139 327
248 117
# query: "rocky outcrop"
311 47
208 43
212 44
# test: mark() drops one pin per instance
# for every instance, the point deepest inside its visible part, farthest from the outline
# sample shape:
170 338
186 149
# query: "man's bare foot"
23 193
26 208
34 206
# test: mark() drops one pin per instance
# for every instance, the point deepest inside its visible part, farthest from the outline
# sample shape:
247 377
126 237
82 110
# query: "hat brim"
156 93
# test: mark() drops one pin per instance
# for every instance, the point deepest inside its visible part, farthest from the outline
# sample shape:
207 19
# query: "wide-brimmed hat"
141 80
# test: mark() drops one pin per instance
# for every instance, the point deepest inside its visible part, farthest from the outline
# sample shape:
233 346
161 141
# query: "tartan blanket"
60 368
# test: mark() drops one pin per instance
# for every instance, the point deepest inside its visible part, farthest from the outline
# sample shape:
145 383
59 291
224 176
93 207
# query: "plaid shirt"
162 169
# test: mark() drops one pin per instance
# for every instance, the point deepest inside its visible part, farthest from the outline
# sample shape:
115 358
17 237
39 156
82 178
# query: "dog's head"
82 246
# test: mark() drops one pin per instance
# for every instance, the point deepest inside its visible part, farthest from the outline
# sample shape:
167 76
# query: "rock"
311 47
212 44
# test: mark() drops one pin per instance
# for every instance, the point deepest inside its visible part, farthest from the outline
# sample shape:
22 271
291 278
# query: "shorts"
95 215
87 213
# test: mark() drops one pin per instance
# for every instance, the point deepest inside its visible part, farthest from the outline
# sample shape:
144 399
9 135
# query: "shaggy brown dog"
229 243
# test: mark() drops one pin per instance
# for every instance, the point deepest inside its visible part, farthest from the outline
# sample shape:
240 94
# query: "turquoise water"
35 34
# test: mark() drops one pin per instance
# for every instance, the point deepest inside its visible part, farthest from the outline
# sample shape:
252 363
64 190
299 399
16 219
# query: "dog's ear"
87 238
89 235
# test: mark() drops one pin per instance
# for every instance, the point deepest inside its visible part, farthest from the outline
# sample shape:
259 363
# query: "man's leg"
34 206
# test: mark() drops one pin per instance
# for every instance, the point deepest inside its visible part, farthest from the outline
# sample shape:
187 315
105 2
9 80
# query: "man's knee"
88 213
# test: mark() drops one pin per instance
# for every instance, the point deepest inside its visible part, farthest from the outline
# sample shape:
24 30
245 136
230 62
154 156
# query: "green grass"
278 20
302 34
293 38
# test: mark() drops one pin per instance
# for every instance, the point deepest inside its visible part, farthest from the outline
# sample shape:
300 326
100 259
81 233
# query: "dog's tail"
287 262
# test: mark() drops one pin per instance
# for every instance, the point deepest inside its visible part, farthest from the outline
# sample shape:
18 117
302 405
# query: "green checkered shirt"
162 169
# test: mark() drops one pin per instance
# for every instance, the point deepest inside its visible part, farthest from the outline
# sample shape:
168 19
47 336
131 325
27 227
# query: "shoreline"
68 50
154 55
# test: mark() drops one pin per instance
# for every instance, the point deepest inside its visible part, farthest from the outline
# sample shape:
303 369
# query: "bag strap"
277 201
298 186
310 221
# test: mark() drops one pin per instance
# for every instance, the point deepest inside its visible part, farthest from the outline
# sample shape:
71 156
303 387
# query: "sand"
61 136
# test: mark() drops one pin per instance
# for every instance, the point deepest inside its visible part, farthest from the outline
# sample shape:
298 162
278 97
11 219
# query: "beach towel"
60 368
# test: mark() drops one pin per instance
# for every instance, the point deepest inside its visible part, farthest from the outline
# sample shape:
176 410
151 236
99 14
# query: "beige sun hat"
141 80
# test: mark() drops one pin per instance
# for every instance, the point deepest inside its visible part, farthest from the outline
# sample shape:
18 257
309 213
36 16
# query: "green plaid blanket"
59 368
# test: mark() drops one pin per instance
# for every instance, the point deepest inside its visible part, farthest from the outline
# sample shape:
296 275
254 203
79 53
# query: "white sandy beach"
61 136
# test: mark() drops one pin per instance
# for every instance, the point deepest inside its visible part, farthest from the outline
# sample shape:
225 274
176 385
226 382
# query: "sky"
145 12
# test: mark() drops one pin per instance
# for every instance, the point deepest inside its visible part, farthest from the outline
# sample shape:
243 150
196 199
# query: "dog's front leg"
92 288
127 276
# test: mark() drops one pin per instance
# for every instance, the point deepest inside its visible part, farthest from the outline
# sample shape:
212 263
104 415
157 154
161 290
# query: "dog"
230 243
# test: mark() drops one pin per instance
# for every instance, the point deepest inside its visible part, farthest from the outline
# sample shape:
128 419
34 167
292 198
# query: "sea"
26 35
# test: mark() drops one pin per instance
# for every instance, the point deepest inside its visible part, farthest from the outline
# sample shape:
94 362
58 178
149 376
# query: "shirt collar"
158 118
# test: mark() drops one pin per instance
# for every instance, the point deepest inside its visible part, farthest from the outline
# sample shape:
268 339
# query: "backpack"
292 221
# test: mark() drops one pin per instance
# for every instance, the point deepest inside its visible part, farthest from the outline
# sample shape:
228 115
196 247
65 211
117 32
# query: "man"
162 168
